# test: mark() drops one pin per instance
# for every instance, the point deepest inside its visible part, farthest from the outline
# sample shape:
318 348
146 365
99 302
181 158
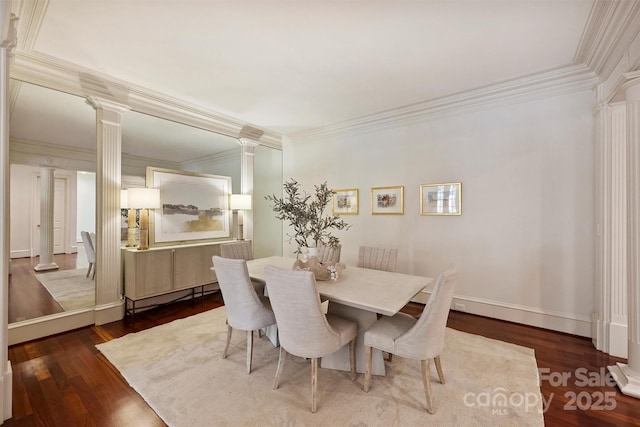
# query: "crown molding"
54 73
612 27
29 152
201 161
559 81
31 14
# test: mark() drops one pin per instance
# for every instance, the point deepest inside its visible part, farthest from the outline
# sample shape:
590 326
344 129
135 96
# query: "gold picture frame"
345 202
387 200
441 199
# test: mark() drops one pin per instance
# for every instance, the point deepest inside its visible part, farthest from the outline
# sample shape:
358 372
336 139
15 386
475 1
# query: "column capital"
631 78
247 142
105 104
12 35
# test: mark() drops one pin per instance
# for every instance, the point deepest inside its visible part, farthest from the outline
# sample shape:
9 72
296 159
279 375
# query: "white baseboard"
32 329
531 316
7 390
20 254
618 340
108 313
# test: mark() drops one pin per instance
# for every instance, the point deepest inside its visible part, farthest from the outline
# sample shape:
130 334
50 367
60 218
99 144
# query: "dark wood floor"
64 381
28 299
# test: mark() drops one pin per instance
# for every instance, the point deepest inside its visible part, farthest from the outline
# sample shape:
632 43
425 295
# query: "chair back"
88 247
378 258
92 239
244 309
237 250
425 340
329 253
302 326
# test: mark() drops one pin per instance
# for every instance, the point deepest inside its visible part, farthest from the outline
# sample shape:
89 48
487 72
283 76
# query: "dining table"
358 294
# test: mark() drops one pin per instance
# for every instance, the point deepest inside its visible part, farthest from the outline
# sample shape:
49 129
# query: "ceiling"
292 66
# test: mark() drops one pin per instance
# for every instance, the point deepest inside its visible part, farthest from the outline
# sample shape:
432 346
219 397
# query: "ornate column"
47 182
108 185
6 52
610 320
627 376
246 180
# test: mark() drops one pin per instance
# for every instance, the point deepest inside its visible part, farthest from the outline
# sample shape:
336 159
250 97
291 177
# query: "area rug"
177 368
72 289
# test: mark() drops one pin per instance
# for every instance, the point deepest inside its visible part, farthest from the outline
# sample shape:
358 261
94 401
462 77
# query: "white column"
610 320
6 48
108 186
47 182
627 376
246 181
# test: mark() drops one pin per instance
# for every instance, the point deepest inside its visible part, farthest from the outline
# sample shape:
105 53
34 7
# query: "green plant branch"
306 215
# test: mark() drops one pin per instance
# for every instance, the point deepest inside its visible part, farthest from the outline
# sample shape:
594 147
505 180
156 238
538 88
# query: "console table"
164 270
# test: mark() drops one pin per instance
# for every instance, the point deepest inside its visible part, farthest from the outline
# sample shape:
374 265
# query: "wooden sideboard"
167 269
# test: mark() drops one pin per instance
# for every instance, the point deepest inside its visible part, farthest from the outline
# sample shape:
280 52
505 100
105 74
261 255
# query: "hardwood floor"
28 299
64 381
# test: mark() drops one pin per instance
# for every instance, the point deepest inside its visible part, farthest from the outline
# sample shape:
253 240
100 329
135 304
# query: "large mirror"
50 128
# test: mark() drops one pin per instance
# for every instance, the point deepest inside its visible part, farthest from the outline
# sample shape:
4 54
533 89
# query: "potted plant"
312 226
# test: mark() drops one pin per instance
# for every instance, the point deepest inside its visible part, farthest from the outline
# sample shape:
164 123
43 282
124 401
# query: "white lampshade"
144 198
240 202
124 199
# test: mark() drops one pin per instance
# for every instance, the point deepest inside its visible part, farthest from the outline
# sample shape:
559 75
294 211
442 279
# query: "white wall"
20 210
524 245
23 182
86 204
267 180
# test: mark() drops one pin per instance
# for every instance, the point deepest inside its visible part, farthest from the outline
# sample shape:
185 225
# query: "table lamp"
144 199
239 203
131 218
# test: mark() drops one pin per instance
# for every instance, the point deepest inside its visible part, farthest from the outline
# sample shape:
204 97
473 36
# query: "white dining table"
359 294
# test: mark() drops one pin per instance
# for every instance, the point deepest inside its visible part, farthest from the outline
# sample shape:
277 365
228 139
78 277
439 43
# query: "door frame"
69 238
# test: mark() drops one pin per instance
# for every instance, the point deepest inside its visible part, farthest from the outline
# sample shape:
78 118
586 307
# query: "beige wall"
524 245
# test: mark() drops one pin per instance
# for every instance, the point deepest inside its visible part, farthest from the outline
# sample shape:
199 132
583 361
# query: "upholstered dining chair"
241 250
421 339
237 250
89 249
246 310
378 258
329 253
304 330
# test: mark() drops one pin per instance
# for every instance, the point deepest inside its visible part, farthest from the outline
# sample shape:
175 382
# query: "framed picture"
345 202
387 200
195 207
441 199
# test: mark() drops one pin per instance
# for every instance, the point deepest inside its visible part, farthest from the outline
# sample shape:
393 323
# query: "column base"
627 381
44 267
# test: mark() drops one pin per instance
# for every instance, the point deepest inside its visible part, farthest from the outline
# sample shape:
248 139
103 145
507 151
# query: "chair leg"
281 358
226 347
367 370
352 358
426 379
249 350
314 382
89 269
439 369
93 273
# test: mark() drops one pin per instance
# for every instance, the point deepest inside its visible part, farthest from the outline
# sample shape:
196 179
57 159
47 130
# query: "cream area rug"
177 368
72 289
